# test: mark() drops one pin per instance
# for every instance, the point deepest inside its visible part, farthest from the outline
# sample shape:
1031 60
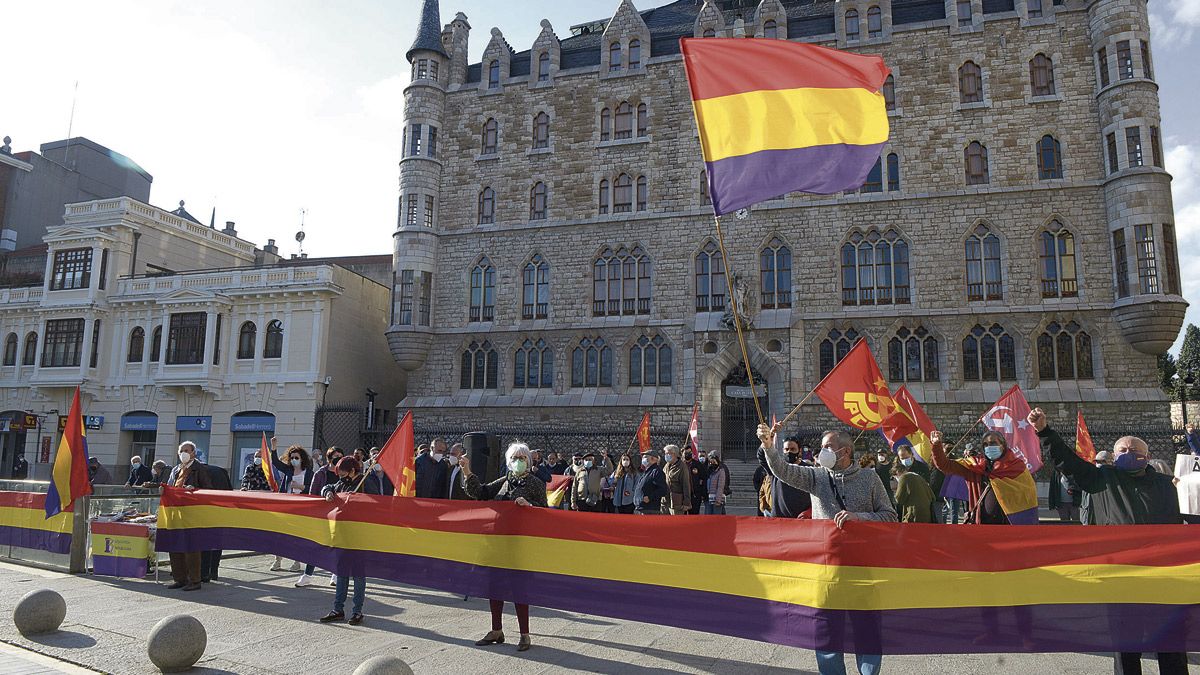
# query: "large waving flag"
1084 447
398 457
855 391
1008 416
919 439
777 117
69 477
268 467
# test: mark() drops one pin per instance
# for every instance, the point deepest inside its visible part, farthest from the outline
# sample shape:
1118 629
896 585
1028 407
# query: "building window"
893 172
1110 141
490 137
635 54
217 341
851 25
72 269
1169 249
535 289
1064 353
1041 75
541 131
404 317
1102 62
1146 263
624 121
533 366
544 67
623 194
984 276
913 356
185 339
1121 263
835 347
137 345
433 70
875 269
604 197
705 193
643 120
874 182
970 83
1133 145
487 206
247 336
605 125
413 203
428 211
1147 69
273 344
494 75
432 141
650 363
775 274
537 201
156 344
709 32
1049 158
614 57
10 350
874 22
426 297
643 193
29 357
976 161
710 279
964 12
64 343
1124 60
989 355
103 268
1059 275
621 283
422 69
591 364
1033 8
414 141
770 29
479 367
483 292
95 344
889 93
1156 155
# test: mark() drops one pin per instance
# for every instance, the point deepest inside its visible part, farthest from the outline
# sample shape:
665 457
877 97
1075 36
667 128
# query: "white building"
178 331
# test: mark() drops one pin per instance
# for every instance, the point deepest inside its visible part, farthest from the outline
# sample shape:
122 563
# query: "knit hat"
349 464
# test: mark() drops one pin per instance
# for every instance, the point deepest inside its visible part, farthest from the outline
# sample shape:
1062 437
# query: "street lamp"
1187 380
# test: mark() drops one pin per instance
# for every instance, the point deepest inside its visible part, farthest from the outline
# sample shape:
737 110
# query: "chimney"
229 229
271 247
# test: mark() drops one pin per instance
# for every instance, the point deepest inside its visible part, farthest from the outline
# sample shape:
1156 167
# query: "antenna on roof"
71 126
300 234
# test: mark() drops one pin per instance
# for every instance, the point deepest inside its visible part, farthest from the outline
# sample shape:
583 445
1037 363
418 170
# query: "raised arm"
943 463
799 477
1087 475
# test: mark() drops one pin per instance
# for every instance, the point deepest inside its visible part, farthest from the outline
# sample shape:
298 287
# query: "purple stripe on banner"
738 182
38 540
1026 517
117 566
956 630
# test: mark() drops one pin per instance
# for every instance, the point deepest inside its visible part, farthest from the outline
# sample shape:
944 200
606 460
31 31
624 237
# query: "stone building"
555 261
174 331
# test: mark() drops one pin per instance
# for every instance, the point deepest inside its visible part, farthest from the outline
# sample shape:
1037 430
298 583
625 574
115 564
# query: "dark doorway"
739 421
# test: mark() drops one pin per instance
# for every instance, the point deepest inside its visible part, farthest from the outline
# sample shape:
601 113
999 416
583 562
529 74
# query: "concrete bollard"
176 643
40 611
383 665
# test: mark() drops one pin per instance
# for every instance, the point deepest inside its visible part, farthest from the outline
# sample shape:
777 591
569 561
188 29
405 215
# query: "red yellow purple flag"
855 391
398 457
1084 447
776 116
268 467
69 477
694 430
643 434
919 438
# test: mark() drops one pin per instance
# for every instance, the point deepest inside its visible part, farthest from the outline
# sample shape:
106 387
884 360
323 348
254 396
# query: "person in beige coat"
679 480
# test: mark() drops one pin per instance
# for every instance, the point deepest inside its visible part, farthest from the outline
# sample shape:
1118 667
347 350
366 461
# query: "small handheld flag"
398 457
268 467
919 439
694 430
1084 447
855 391
643 434
69 476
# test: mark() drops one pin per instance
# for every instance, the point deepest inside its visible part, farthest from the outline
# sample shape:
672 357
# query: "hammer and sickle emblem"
860 406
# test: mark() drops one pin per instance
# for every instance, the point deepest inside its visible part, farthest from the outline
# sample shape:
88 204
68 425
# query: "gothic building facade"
554 255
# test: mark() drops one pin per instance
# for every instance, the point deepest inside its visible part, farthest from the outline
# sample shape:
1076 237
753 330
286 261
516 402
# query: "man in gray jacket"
841 491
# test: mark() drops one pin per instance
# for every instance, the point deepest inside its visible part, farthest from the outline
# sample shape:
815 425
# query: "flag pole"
737 321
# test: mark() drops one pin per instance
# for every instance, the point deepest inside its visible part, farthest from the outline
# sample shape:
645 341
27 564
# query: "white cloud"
1176 22
385 98
1183 162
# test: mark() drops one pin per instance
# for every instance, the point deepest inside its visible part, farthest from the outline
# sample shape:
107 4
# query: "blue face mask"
993 452
1130 462
907 461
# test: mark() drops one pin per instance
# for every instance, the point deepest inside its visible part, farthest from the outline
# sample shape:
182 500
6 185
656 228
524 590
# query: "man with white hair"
189 474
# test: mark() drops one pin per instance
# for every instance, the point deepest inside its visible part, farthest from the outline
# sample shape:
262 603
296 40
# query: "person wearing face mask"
139 473
651 488
698 467
717 486
842 491
883 467
349 481
679 481
433 472
585 487
192 475
911 461
1000 490
326 475
787 501
914 497
624 482
523 488
295 477
1127 492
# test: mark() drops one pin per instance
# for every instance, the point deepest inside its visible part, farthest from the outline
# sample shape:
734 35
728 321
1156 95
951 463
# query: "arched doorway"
739 421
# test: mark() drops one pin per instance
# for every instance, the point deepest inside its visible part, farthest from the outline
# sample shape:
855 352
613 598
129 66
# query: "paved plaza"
259 623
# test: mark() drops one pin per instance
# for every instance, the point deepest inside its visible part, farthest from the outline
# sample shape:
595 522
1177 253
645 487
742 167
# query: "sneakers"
333 616
304 580
296 566
333 580
355 619
277 566
495 637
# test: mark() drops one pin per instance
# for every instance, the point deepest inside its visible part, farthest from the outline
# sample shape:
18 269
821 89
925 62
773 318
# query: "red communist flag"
643 433
1008 416
397 458
694 430
855 391
1084 447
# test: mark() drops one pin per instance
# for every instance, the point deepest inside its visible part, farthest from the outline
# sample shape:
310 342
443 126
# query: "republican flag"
855 391
69 477
777 117
1009 417
1083 440
397 458
268 467
694 430
919 439
643 433
556 490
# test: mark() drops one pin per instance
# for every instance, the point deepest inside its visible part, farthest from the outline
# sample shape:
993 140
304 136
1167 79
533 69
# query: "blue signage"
193 423
142 422
93 421
240 423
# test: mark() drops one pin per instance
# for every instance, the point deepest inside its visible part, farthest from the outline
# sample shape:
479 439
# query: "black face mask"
793 457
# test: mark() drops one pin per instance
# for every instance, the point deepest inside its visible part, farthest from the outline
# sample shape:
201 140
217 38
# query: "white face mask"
258 461
827 458
437 456
135 464
296 463
185 457
907 461
645 461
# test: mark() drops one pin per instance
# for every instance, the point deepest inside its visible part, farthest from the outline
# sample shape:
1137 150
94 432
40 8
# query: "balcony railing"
233 279
21 294
86 211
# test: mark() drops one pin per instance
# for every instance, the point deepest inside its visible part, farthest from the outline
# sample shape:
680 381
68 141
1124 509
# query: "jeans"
360 594
834 663
711 509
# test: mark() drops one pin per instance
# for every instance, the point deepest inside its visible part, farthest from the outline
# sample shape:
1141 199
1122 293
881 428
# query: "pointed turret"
429 31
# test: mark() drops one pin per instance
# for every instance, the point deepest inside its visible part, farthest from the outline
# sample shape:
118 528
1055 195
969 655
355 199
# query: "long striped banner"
23 523
871 588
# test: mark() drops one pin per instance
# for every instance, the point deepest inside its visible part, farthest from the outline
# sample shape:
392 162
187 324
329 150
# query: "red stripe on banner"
727 66
917 546
24 500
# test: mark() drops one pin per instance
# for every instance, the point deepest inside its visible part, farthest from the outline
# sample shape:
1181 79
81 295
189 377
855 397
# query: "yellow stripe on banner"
741 124
799 583
35 519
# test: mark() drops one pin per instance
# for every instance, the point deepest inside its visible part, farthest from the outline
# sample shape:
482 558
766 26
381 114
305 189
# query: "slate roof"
429 30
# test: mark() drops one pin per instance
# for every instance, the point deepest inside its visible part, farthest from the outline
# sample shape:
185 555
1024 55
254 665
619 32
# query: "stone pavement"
17 661
257 622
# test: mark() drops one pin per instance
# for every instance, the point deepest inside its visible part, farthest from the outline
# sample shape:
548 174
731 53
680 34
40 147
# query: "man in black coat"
787 501
189 473
210 561
433 472
651 487
139 473
698 468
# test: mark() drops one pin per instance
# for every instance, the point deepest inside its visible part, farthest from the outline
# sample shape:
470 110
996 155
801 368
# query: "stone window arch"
770 29
710 32
889 93
874 22
989 355
482 304
623 194
643 120
643 193
893 172
852 25
635 54
775 275
875 269
487 206
591 364
538 200
535 288
544 67
155 344
710 279
29 357
614 57
494 74
1049 158
621 282
479 368
1064 352
834 347
985 273
1060 275
1041 75
137 345
490 138
650 362
970 83
605 125
623 127
541 131
273 344
604 197
533 365
247 335
10 349
913 356
975 161
705 195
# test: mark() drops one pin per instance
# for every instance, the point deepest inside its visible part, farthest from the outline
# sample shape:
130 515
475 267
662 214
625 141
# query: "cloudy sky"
264 107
